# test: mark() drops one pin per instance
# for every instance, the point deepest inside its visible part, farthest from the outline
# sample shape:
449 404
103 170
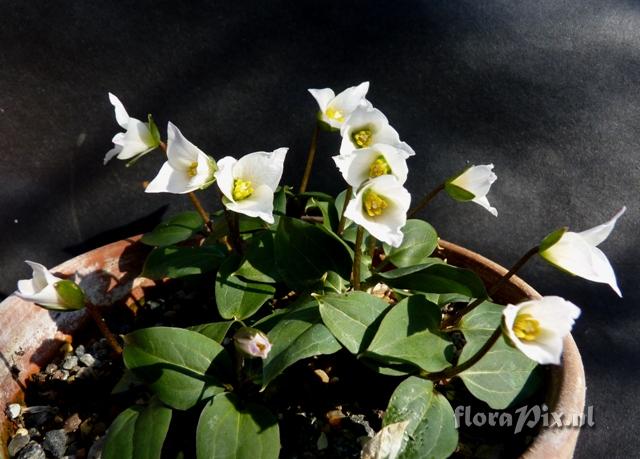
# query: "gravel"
55 441
17 443
32 451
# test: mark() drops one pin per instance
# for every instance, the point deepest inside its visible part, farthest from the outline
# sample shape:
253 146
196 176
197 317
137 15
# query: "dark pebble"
17 443
55 441
32 451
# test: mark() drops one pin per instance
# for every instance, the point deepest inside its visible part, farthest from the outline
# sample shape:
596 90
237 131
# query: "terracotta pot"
30 336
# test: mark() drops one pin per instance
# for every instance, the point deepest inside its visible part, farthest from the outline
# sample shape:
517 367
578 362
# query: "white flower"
252 342
50 291
537 327
380 159
366 127
387 443
135 141
248 184
380 207
187 167
473 185
577 253
334 110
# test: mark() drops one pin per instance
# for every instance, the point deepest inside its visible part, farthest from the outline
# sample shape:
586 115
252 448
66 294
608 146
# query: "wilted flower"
380 206
49 291
248 184
137 139
537 327
366 127
577 253
187 167
252 342
380 159
334 110
473 185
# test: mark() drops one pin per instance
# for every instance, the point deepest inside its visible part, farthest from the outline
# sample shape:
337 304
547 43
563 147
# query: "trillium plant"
310 294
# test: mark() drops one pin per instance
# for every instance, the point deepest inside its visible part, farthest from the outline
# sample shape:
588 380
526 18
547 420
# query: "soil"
327 407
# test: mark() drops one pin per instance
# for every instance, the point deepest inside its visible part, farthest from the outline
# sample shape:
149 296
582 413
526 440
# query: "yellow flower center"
379 167
362 137
526 327
261 346
193 169
242 189
374 204
335 114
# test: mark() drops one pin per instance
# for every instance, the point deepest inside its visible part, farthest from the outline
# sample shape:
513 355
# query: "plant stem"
343 219
195 201
357 256
310 158
498 285
422 204
455 370
95 314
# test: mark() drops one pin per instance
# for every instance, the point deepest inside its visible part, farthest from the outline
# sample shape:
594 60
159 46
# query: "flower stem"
357 256
422 204
457 369
310 158
343 218
500 283
95 314
195 201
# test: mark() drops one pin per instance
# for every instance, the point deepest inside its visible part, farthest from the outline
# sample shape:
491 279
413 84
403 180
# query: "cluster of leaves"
292 282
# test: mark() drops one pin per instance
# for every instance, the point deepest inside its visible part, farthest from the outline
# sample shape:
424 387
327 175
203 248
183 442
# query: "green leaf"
431 431
229 429
409 333
298 334
328 211
332 282
174 262
352 317
259 264
138 433
237 298
420 240
436 278
279 205
457 193
305 252
153 129
214 330
502 374
180 366
177 229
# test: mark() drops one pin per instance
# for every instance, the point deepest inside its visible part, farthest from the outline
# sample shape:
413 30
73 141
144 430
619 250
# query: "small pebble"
32 451
72 423
87 359
14 410
62 375
55 441
86 427
80 350
70 362
51 368
324 377
95 452
17 443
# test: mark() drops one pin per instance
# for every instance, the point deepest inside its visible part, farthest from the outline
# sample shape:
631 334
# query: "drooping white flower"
49 291
380 159
473 185
187 167
366 127
537 327
252 342
248 183
334 110
387 443
578 254
137 138
380 206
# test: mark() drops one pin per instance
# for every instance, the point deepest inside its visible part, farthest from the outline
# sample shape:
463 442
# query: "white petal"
484 202
545 353
224 176
323 97
261 168
350 99
596 235
396 160
115 151
47 297
26 287
41 275
137 140
121 114
259 204
387 443
170 180
181 153
118 139
476 180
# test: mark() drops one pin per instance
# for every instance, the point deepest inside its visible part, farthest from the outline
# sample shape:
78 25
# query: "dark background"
549 91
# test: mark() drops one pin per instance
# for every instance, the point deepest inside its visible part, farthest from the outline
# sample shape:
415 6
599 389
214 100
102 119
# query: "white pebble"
14 410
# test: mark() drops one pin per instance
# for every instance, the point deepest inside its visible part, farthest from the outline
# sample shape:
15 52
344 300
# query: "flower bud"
252 342
49 291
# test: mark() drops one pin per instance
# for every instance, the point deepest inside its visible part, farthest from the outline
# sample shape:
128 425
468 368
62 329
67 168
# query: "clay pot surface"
30 336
